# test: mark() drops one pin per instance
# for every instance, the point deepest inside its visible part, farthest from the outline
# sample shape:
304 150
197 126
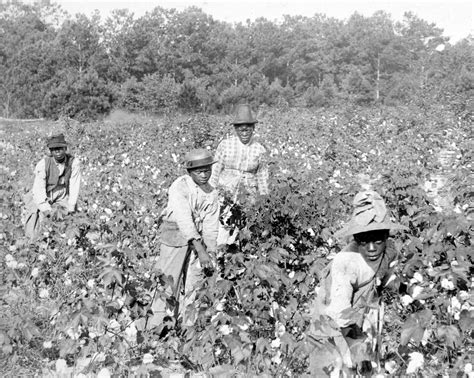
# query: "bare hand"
203 256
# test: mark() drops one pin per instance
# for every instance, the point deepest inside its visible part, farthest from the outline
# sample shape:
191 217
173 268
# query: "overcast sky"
456 17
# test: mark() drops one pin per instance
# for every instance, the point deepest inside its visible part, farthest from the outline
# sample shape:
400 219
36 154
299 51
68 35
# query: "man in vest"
56 186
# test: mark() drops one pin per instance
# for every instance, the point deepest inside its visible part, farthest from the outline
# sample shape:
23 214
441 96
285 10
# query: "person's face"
245 132
201 175
59 153
372 244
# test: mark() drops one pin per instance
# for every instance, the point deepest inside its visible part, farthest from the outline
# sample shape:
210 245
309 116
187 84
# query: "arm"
179 206
219 166
262 174
39 187
341 291
74 185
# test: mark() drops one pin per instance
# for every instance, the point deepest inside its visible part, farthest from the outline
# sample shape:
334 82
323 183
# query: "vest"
54 181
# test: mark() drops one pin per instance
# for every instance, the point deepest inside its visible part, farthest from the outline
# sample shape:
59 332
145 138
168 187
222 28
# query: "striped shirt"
240 164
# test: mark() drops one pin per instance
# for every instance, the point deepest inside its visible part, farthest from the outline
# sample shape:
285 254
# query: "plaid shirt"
240 164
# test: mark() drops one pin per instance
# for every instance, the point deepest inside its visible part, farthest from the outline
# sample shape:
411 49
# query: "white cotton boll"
391 367
416 362
464 295
34 272
417 290
277 358
108 211
447 284
43 293
131 332
47 345
426 337
406 300
114 325
225 329
147 358
61 365
220 305
280 329
468 368
275 343
291 274
418 276
455 304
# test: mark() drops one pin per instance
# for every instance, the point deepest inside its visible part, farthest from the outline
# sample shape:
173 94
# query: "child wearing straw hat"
348 289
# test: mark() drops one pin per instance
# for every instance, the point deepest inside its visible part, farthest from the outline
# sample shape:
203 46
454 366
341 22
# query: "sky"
456 17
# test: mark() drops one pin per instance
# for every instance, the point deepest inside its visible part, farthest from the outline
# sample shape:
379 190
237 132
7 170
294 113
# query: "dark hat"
57 141
198 158
370 214
243 114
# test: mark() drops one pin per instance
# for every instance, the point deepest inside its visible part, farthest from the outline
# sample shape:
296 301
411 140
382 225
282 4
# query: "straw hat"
244 115
57 141
198 158
370 214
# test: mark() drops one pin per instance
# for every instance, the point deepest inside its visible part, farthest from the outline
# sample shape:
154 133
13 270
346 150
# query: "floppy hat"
243 115
370 214
198 158
57 141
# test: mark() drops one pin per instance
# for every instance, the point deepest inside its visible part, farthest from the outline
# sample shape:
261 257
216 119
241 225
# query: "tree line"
53 64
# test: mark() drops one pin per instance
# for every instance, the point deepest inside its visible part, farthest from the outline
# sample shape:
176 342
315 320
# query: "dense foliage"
57 65
77 300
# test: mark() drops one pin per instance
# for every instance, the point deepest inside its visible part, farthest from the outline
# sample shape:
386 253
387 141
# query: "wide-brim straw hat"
370 214
244 115
56 141
198 158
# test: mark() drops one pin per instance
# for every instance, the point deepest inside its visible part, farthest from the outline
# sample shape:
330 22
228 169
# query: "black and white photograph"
236 189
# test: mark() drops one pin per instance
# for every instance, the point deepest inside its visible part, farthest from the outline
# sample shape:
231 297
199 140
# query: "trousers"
183 266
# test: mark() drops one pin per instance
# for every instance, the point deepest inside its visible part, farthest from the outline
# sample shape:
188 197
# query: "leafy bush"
78 301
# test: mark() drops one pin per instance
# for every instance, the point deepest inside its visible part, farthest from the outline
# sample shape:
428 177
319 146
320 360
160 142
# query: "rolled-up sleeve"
74 184
39 187
178 206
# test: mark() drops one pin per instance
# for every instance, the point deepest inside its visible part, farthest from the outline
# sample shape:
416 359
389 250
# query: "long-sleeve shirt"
240 164
42 199
351 283
193 211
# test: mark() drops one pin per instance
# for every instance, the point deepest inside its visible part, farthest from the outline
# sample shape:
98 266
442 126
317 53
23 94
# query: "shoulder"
41 165
75 161
258 145
346 260
227 141
181 184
